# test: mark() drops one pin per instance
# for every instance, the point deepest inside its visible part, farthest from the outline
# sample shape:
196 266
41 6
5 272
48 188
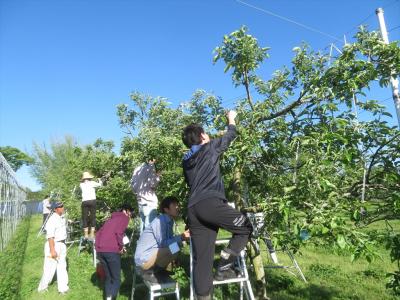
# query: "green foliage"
306 159
15 157
301 154
181 277
154 132
11 262
59 170
240 52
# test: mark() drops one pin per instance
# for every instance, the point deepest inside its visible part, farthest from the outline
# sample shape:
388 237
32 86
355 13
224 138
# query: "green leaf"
341 241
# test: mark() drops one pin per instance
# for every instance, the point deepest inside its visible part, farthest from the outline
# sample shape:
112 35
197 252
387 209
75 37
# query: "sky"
65 65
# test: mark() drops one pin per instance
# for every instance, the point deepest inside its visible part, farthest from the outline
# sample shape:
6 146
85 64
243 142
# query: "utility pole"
393 81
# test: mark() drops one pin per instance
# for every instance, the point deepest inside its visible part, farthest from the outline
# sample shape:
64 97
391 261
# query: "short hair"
166 202
191 135
126 207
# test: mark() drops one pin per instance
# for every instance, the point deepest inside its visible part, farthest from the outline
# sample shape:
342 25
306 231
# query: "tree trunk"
253 248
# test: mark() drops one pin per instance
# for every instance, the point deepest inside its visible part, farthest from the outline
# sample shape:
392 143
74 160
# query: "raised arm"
222 143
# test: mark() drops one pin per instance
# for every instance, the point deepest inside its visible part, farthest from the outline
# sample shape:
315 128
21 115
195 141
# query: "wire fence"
12 208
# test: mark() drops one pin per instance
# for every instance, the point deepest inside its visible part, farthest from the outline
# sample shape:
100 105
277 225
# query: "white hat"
87 175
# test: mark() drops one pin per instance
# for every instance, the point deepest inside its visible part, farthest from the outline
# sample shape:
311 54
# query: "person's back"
88 189
202 170
109 246
109 236
144 183
208 209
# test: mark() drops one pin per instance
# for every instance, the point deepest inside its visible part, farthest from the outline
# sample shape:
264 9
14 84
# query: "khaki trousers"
161 257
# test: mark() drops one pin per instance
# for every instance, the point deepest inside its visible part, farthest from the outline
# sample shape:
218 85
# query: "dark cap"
57 204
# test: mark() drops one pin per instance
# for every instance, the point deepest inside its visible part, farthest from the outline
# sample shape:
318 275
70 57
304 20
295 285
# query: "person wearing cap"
88 187
144 183
55 251
109 245
157 245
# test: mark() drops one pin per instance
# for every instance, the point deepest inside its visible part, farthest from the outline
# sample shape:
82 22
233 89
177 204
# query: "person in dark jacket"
208 209
109 247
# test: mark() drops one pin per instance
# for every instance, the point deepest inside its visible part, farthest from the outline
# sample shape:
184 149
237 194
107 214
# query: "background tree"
15 157
59 170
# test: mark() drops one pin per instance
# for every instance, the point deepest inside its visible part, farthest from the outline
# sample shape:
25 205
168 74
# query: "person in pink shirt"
109 247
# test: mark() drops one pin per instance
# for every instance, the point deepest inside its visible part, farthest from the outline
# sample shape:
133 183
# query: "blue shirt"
159 234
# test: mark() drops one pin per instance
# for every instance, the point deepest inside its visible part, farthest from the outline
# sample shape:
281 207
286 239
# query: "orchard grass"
330 275
12 260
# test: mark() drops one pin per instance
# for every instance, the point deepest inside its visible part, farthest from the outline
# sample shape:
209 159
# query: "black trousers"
112 268
44 218
89 213
205 218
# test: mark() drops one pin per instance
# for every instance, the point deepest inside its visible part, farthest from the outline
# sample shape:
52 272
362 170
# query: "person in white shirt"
144 183
46 208
88 187
55 251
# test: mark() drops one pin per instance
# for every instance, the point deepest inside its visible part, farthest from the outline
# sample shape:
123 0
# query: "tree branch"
285 110
375 156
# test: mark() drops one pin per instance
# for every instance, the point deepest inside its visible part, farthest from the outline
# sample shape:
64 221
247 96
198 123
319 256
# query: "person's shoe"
162 271
225 274
226 266
148 275
86 232
43 290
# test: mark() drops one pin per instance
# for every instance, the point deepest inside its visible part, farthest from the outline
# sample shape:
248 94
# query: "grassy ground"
329 275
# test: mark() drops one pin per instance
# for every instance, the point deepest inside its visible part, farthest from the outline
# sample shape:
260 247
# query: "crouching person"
55 251
157 245
109 247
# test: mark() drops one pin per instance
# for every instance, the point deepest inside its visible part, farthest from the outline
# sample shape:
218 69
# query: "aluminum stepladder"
91 242
257 220
243 278
155 289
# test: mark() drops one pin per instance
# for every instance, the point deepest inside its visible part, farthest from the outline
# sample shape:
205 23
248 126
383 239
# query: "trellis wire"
12 208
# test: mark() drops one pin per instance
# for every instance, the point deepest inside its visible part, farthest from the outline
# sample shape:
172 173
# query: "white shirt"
144 182
88 189
46 206
56 227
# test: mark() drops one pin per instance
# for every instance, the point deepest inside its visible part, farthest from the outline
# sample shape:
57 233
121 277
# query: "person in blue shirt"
157 245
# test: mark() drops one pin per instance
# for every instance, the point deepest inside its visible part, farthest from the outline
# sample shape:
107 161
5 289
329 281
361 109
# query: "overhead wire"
369 16
394 28
289 20
312 29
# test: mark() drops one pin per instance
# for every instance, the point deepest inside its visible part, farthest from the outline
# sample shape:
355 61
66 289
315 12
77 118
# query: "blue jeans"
146 216
112 267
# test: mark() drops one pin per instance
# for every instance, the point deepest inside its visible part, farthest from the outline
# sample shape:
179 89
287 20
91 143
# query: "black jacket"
202 171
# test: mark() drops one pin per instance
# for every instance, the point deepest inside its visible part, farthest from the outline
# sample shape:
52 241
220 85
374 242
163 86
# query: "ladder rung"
232 280
221 242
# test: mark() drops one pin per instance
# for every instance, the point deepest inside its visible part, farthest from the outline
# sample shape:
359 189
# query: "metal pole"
393 81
